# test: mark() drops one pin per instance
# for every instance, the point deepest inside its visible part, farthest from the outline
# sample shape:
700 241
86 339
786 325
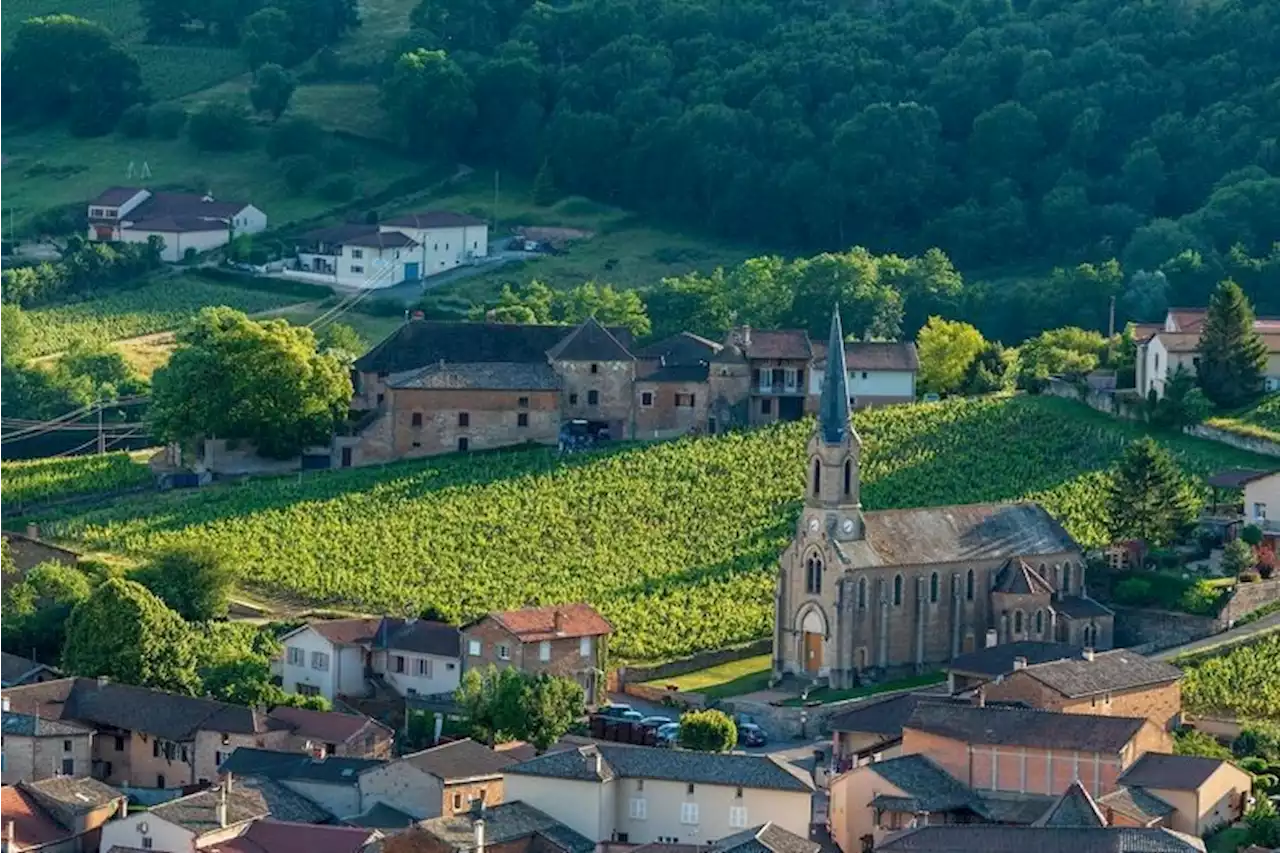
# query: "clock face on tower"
847 525
814 524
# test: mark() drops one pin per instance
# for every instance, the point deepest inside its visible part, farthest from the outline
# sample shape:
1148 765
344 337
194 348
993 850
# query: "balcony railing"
780 388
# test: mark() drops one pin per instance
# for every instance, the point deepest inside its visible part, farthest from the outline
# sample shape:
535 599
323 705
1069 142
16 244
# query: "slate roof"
643 762
434 219
115 196
124 706
684 348
184 205
928 787
492 375
885 716
1018 578
676 373
532 624
419 343
766 838
29 725
874 355
276 764
329 726
418 635
32 825
72 796
779 343
1016 809
285 803
382 816
1238 478
1074 808
503 823
1006 726
1172 772
1136 803
177 224
271 836
382 240
462 759
199 812
1108 671
15 669
994 838
1077 607
590 342
948 534
998 660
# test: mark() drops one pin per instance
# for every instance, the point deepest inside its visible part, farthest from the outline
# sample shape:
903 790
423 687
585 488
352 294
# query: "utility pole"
102 437
1111 322
495 201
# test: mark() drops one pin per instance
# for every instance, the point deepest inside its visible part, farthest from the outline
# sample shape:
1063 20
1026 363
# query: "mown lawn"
728 679
826 695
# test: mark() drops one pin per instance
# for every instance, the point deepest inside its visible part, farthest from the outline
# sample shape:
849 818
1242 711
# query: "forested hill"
999 131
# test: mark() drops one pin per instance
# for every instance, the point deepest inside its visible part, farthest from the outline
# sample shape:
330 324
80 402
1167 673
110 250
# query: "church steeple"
833 409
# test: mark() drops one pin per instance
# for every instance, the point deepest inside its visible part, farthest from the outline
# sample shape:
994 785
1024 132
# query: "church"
892 592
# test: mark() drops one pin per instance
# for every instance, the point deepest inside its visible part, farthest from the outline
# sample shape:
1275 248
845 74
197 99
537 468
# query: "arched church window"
862 593
1090 635
1017 621
968 585
933 588
1039 621
848 477
813 575
817 477
1066 577
897 590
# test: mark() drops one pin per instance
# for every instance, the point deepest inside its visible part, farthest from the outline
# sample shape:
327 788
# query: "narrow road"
1265 625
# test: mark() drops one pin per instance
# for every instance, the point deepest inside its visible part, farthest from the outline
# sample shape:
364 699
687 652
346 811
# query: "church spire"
833 409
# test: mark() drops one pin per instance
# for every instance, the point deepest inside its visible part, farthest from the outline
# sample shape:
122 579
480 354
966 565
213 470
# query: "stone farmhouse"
62 814
1163 349
435 387
184 221
872 592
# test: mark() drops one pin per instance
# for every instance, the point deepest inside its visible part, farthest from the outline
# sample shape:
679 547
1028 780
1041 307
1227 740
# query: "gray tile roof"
199 812
872 355
491 376
29 725
382 240
1016 809
1075 607
15 669
1017 577
382 816
998 660
681 349
275 764
779 343
1172 772
463 759
419 343
420 635
1074 808
590 342
676 373
928 787
285 803
503 823
994 838
642 762
948 534
1108 671
1136 803
1006 726
766 838
884 716
68 798
434 219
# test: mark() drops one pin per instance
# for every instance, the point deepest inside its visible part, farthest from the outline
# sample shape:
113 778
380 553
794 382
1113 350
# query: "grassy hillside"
677 543
1260 421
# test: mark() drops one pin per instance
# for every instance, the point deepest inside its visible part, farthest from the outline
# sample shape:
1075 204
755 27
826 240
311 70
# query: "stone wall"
1161 629
1248 597
1253 445
1108 402
693 663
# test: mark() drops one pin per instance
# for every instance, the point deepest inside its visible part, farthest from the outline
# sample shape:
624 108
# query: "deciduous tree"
428 97
947 349
194 582
271 90
708 731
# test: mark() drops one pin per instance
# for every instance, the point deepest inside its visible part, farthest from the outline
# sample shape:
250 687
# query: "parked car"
631 717
749 734
668 734
656 722
618 711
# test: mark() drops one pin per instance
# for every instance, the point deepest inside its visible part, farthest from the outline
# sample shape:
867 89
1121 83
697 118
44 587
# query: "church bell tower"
832 498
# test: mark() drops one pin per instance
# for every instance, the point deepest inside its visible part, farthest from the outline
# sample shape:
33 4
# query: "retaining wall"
1161 629
1253 445
1248 597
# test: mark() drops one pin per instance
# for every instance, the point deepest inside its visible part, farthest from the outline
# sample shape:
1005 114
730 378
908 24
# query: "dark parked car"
656 722
617 712
749 734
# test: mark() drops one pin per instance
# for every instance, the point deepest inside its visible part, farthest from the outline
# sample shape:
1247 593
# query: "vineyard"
1245 681
677 543
155 307
32 481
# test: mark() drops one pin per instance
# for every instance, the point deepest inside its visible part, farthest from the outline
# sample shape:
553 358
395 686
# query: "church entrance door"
812 652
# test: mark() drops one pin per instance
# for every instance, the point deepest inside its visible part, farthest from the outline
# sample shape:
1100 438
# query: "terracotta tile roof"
347 632
270 836
329 726
462 759
434 219
1108 671
1172 772
1006 726
1190 341
872 355
32 825
533 624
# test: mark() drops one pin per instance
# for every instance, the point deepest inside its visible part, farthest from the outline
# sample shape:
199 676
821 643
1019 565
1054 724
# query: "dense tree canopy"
1149 498
1233 356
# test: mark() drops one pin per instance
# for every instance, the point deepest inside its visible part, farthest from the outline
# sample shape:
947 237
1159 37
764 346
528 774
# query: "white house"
1161 351
184 221
406 248
879 372
329 658
187 823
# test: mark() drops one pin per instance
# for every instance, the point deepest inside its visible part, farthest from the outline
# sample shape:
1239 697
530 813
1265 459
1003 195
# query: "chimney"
1019 662
222 806
979 698
992 638
33 531
9 837
1087 654
4 703
477 814
124 808
559 621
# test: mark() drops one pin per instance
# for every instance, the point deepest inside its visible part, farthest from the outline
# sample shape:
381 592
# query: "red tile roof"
327 726
32 826
269 836
533 624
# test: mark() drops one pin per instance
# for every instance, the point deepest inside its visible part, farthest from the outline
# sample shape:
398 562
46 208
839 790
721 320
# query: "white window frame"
423 668
357 268
474 648
504 652
296 656
357 254
544 651
639 808
1259 511
738 817
320 661
584 647
689 814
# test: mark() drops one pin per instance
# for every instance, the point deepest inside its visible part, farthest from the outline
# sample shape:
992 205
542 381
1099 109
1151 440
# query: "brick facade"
1160 703
499 647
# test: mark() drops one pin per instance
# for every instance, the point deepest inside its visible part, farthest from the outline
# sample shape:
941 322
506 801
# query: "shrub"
337 188
300 171
708 731
1252 534
1260 739
219 126
1133 591
133 122
294 135
166 120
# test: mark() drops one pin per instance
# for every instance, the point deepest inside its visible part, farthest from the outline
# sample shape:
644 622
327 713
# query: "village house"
184 221
384 254
513 827
993 662
188 823
872 730
37 749
897 591
341 657
569 640
276 836
443 780
1118 683
1186 793
1177 344
639 795
766 838
326 733
58 815
332 784
16 670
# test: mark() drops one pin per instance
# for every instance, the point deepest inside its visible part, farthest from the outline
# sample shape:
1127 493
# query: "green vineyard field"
34 480
1244 681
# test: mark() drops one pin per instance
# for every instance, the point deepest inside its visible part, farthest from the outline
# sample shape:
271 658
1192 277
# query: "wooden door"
812 651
